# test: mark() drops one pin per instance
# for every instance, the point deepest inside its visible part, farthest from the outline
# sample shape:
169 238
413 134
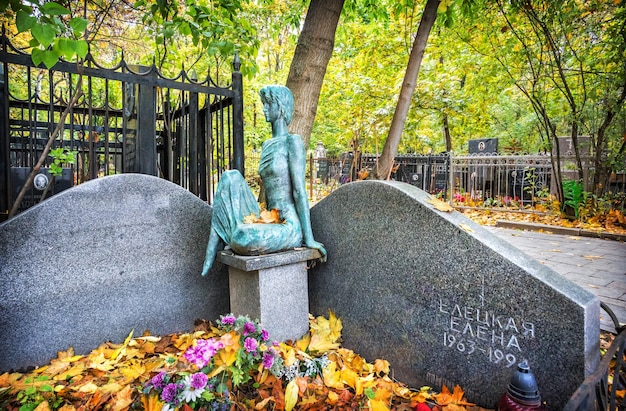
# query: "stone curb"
560 230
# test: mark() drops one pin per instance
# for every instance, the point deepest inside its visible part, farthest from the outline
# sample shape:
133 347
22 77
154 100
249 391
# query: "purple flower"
228 319
250 344
201 353
248 328
268 359
199 380
158 381
169 392
265 335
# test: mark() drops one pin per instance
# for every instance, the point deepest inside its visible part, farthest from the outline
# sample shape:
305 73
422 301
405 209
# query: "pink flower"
250 344
268 359
248 328
199 380
228 319
201 353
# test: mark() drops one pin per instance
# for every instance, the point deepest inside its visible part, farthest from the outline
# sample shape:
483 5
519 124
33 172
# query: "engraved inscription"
477 331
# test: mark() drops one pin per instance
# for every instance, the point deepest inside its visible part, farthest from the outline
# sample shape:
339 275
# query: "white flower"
190 393
167 407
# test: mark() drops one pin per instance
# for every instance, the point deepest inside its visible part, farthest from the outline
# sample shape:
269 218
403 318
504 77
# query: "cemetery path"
598 265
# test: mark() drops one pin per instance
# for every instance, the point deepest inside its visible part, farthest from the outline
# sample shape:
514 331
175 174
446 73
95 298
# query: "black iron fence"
602 389
128 119
483 180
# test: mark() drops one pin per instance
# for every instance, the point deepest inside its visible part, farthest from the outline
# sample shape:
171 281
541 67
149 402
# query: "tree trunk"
446 133
390 149
311 57
602 174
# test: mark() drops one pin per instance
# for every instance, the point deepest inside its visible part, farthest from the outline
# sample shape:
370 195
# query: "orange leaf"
151 402
122 399
447 398
271 216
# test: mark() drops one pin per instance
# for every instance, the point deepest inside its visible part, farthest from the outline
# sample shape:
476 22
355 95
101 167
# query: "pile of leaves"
613 221
313 373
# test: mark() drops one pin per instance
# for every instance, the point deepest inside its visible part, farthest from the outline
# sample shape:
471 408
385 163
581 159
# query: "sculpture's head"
280 95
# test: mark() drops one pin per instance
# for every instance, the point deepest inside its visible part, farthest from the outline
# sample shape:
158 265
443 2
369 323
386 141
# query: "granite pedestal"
272 288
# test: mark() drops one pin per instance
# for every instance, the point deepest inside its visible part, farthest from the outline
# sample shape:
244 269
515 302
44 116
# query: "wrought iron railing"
600 389
129 119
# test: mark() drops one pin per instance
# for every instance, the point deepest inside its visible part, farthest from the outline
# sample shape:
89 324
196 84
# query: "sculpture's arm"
297 164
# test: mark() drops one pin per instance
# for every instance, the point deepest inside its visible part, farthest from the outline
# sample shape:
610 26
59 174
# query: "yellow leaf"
332 398
133 371
440 205
289 354
376 405
77 369
291 395
466 227
332 377
111 388
88 388
67 407
381 366
362 383
250 219
325 333
115 355
303 343
349 378
99 362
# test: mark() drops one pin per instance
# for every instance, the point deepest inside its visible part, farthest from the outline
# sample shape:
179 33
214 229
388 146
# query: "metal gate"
129 119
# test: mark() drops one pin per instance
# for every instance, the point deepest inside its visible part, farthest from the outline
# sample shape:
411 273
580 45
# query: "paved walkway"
598 265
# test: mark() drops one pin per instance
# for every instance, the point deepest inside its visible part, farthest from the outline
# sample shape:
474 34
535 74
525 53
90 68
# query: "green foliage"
573 195
55 32
61 156
38 391
209 30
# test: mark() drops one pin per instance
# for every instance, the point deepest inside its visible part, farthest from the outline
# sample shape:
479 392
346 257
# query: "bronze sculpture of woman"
282 170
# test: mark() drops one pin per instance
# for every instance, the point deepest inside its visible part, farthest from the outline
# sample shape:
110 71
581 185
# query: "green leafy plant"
61 156
37 392
55 33
573 196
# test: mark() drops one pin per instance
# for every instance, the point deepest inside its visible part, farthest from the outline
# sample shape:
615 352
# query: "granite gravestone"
101 259
444 300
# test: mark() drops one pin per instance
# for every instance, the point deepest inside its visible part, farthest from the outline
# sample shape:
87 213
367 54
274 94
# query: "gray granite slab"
92 263
444 300
272 288
259 262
